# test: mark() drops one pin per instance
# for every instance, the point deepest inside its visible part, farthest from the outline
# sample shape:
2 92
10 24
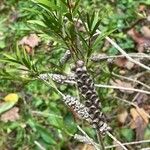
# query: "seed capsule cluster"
87 90
77 107
65 57
57 78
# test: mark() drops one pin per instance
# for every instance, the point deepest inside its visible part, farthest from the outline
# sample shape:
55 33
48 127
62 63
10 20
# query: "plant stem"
100 140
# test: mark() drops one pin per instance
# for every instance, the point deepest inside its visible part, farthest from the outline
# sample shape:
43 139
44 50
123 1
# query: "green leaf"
100 37
89 22
45 135
18 54
95 28
37 22
76 6
9 57
128 134
84 42
2 44
56 121
83 21
147 133
6 106
69 16
46 4
70 125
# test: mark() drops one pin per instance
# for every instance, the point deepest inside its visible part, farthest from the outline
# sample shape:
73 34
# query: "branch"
122 88
99 57
128 143
70 80
39 145
130 79
123 52
88 138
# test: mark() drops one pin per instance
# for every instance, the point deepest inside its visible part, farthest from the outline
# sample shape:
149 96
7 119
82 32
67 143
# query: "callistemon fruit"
77 107
87 89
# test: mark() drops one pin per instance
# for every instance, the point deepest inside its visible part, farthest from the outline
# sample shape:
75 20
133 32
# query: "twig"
88 138
122 88
145 148
123 52
98 57
128 143
100 140
39 145
133 104
95 144
119 143
130 79
71 81
84 140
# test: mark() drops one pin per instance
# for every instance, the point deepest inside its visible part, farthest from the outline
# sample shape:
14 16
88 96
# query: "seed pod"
77 107
87 89
65 57
57 78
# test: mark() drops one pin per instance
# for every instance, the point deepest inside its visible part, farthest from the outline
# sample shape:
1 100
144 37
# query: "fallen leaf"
139 121
12 97
32 40
147 108
84 147
10 115
120 83
143 43
122 116
138 112
145 31
124 63
141 99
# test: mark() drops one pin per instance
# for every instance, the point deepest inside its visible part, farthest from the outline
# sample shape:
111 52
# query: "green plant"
48 82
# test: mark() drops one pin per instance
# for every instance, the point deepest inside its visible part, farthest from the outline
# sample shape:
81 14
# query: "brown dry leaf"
122 84
139 121
124 63
147 108
32 40
143 43
122 116
141 99
145 31
85 147
10 115
136 113
120 62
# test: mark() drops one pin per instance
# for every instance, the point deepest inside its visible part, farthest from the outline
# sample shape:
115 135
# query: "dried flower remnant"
87 90
30 42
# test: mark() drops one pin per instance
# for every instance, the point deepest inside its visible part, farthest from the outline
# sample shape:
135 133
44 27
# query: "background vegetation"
35 114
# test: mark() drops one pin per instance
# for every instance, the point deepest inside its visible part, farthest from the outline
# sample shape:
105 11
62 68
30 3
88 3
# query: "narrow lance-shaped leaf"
76 6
